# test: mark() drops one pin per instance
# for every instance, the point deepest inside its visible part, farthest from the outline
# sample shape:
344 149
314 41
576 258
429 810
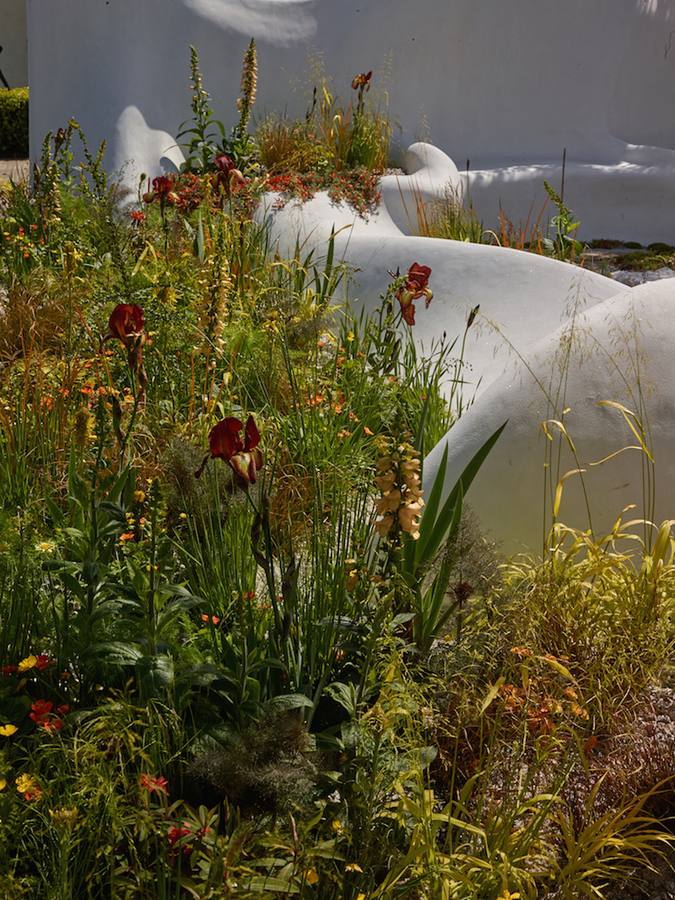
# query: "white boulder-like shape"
507 86
523 297
621 351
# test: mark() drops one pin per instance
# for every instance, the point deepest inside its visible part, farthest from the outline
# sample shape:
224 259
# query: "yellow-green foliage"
606 612
14 122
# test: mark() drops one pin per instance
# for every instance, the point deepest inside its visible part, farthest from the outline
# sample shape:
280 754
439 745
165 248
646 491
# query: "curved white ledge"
622 351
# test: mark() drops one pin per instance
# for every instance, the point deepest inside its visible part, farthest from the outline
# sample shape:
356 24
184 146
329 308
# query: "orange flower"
154 783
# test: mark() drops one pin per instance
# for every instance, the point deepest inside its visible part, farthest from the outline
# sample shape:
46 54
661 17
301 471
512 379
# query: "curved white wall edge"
522 297
622 351
501 84
630 200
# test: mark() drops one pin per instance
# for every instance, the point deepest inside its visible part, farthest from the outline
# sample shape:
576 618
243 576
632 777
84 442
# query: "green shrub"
14 122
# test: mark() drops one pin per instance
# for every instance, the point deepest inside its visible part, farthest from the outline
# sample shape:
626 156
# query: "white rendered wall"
13 35
501 84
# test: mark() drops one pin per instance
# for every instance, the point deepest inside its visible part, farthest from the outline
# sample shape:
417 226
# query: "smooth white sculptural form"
506 85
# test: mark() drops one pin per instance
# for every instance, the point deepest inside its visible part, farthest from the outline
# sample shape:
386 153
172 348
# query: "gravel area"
632 279
16 169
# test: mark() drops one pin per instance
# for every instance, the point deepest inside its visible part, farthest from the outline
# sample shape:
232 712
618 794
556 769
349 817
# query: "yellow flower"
27 663
139 496
45 546
311 876
353 867
24 782
64 816
408 517
29 787
3 784
8 730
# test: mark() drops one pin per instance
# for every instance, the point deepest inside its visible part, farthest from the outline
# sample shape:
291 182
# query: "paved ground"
16 169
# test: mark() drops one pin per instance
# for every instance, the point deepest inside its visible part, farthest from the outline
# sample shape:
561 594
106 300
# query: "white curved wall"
498 83
621 351
13 40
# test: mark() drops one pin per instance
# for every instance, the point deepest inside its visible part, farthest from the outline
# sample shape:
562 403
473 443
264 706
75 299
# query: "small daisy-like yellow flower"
28 663
8 730
139 496
311 876
3 783
45 546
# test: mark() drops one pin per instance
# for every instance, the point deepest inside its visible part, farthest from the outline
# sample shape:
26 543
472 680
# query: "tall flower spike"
249 85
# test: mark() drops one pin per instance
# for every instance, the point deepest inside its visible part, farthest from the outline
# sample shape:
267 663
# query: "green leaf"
434 529
290 701
492 694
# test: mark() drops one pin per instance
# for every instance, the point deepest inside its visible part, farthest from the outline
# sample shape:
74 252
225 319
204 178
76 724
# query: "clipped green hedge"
14 122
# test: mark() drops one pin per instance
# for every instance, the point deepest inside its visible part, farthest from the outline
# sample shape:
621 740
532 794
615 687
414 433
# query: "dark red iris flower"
224 163
163 189
362 80
126 323
228 175
415 286
243 456
43 662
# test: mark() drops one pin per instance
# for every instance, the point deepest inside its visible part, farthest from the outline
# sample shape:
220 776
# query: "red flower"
137 216
228 175
63 709
243 457
156 783
224 163
43 662
41 714
205 617
126 323
51 724
40 710
176 833
415 286
362 80
162 190
9 669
